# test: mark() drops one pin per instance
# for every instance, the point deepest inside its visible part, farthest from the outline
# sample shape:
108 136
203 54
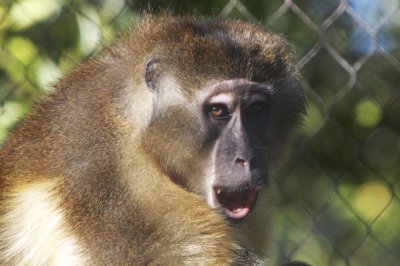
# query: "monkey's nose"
240 161
246 164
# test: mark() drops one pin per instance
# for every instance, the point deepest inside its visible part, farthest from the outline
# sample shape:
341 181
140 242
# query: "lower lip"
236 215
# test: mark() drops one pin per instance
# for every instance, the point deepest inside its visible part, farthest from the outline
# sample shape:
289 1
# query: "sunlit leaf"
371 199
368 113
28 12
22 49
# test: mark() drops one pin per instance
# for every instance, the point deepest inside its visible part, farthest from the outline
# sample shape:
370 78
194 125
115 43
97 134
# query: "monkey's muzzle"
236 203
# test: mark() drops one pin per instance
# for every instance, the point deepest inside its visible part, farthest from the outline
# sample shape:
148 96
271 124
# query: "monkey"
157 151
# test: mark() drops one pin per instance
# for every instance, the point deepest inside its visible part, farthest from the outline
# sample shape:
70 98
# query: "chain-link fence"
340 190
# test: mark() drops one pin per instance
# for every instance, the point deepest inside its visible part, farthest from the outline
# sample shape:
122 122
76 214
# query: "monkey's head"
221 98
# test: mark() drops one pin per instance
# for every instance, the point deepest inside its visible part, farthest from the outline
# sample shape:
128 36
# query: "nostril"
241 161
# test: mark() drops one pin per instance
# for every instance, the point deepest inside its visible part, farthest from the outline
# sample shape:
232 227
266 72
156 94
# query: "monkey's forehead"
195 48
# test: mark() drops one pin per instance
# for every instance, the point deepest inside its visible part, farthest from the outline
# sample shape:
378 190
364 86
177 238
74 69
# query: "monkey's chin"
236 204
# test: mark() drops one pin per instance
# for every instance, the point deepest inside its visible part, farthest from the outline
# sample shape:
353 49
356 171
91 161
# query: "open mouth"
236 203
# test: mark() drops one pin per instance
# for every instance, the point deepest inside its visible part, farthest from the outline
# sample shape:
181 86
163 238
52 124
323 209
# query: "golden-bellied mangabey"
158 151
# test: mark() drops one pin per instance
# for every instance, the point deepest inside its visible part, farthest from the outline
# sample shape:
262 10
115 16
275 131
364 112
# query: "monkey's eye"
256 108
219 111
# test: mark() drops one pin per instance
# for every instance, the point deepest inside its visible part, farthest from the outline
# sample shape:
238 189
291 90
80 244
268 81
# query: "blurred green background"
340 201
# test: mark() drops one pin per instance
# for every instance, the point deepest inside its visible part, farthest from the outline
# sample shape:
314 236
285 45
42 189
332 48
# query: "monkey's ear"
151 75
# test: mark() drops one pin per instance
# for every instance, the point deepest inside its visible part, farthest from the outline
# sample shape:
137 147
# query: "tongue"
236 205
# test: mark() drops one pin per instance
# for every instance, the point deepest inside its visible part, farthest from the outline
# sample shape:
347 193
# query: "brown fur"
85 150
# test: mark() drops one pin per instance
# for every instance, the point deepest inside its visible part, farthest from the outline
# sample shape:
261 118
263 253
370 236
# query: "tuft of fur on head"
240 50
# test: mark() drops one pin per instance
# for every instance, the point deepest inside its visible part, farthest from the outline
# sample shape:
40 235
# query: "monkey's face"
223 104
236 114
214 143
